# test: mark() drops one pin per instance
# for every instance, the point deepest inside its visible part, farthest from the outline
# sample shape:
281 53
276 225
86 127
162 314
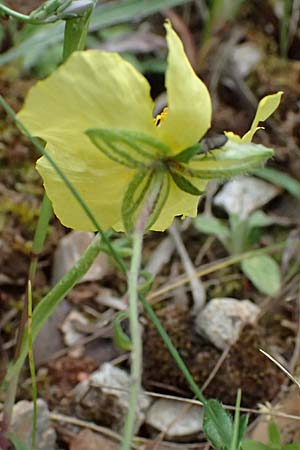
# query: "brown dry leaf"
87 439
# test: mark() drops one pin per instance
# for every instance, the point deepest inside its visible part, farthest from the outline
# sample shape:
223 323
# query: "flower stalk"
133 298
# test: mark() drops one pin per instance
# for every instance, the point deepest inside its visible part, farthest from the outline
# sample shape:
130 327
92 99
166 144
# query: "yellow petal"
179 203
233 137
101 188
266 107
189 104
93 89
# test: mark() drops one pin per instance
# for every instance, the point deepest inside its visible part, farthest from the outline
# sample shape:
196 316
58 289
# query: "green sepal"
130 148
164 180
187 154
233 159
133 198
185 185
121 340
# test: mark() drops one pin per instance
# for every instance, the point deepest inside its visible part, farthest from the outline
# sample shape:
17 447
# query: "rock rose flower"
96 90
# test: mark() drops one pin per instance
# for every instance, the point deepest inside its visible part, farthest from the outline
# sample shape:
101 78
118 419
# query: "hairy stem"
133 297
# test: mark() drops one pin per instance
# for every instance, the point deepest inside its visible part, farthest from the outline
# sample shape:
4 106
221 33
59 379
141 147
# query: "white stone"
21 424
243 195
175 418
222 319
68 327
104 397
70 248
245 57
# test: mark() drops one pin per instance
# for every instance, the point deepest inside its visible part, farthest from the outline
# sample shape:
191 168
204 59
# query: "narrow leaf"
279 179
121 339
263 272
254 445
234 445
242 429
212 225
259 219
185 185
274 434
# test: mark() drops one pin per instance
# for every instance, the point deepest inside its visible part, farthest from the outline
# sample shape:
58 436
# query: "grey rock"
222 319
22 424
70 248
243 195
104 398
175 418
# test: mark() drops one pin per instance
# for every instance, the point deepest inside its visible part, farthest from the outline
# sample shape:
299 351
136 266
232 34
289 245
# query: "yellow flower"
100 90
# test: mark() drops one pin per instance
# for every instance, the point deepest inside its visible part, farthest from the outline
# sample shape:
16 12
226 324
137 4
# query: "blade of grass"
236 423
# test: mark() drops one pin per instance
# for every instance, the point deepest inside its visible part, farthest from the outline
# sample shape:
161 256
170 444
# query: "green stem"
11 13
133 297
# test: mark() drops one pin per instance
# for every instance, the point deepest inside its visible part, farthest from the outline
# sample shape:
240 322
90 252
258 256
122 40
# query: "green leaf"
121 339
212 225
126 147
184 184
292 446
242 429
259 219
279 179
274 434
217 425
18 444
263 272
75 34
187 154
254 445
